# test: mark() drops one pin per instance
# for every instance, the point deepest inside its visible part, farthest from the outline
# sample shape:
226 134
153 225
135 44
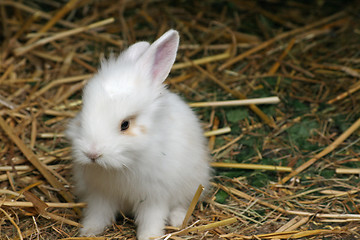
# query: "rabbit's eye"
125 125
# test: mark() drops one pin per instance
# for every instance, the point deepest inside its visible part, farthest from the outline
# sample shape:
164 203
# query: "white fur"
152 171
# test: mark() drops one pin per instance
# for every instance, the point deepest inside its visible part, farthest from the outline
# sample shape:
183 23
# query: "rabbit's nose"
93 156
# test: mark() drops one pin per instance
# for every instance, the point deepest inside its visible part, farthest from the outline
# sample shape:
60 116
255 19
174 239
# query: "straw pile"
282 171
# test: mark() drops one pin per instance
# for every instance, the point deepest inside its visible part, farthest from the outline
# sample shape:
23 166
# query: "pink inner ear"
164 59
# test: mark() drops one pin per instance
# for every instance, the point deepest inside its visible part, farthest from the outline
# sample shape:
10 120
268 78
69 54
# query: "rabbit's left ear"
135 51
160 56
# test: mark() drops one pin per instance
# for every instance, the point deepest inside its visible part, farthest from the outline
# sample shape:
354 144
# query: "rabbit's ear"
135 51
158 59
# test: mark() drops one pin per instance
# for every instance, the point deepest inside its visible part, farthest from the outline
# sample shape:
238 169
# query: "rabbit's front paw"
149 235
177 216
91 229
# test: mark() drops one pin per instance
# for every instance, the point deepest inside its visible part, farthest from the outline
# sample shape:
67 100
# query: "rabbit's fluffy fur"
138 148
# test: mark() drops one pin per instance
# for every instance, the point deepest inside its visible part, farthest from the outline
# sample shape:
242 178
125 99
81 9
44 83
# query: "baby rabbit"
138 149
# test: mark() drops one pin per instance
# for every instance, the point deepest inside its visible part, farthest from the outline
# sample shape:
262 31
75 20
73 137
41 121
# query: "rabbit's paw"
177 216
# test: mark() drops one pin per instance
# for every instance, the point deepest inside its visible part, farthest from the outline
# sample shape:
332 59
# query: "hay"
231 53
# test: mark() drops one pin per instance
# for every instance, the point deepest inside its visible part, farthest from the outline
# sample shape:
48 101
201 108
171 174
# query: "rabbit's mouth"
93 156
119 162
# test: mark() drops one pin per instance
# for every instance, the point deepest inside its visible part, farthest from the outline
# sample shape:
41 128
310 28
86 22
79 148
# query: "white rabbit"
138 148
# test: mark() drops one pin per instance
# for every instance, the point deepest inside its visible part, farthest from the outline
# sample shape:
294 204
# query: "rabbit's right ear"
135 51
157 60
